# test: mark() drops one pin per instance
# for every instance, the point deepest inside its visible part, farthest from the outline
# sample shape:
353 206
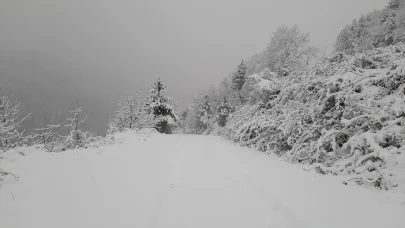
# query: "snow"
175 181
266 81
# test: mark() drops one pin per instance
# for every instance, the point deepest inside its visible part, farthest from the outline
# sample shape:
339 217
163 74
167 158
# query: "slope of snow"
182 181
344 116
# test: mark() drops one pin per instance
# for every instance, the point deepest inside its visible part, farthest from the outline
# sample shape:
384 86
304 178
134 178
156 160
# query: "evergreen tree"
205 111
238 80
239 77
224 111
162 111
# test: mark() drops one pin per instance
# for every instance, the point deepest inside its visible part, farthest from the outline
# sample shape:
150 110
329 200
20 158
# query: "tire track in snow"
160 207
165 213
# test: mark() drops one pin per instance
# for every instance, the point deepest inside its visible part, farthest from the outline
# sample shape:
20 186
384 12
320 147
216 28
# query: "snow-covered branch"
11 131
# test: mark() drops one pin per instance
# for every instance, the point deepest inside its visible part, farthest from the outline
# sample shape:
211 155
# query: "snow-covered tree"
163 113
239 77
226 90
183 117
224 110
184 113
379 28
289 50
11 131
133 113
205 112
238 80
76 137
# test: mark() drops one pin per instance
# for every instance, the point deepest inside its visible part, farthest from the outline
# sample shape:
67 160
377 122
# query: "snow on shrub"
345 116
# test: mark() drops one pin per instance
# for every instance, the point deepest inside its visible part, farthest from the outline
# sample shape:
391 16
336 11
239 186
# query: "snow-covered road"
182 182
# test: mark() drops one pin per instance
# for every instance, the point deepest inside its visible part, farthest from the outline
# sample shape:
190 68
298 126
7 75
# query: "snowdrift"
345 116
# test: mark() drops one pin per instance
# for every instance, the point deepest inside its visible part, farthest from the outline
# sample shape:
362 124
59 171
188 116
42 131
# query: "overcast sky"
96 50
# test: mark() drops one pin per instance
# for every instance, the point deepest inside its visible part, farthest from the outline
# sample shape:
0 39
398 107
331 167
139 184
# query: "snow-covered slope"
345 116
182 181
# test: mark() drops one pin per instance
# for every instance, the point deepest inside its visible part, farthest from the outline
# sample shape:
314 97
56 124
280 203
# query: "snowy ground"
183 181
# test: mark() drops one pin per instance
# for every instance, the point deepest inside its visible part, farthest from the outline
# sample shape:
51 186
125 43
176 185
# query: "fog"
57 52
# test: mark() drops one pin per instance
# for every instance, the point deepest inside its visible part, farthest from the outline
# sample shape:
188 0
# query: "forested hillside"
376 29
345 116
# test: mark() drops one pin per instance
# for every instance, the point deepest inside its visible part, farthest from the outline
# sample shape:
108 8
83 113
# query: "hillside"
345 116
380 28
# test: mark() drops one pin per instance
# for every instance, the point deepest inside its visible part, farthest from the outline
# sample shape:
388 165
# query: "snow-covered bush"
345 116
265 86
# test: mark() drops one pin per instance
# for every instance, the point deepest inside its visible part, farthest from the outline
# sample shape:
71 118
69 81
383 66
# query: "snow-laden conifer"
163 113
224 110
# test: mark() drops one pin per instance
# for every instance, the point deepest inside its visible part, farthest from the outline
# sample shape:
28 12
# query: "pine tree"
205 112
239 77
224 111
238 80
163 113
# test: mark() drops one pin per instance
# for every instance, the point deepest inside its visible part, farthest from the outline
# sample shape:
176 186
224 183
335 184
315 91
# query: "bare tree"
133 113
46 135
11 131
76 136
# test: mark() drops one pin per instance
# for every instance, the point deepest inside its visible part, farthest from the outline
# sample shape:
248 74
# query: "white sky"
102 49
